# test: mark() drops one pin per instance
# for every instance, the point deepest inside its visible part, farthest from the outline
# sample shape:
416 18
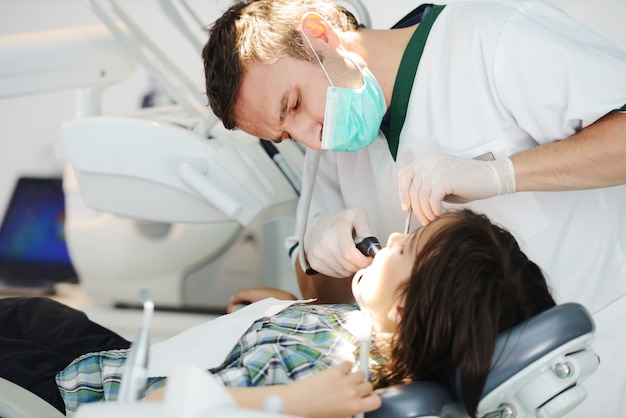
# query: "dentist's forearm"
593 158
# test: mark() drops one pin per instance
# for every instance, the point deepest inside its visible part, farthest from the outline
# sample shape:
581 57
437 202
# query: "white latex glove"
329 242
427 182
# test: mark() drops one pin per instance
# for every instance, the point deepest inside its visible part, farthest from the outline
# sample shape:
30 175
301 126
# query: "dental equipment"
85 58
219 172
172 12
185 265
127 169
135 376
175 83
280 161
407 223
194 253
369 246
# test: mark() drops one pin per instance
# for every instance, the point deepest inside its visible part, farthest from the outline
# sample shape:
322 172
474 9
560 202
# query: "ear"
396 313
315 26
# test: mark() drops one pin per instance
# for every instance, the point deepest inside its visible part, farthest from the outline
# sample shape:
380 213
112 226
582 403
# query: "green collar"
404 80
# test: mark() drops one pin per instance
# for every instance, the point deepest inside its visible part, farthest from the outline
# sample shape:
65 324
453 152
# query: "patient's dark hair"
469 282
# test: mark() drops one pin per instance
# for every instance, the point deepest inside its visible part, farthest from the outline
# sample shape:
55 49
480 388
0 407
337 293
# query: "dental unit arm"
170 185
85 59
146 169
177 167
179 202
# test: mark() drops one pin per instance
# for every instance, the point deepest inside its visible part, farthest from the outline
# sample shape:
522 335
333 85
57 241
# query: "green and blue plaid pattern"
293 344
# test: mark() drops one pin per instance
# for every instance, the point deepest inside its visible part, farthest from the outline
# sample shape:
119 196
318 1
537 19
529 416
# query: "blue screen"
32 231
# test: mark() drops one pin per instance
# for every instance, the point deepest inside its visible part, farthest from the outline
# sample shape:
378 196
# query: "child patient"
437 299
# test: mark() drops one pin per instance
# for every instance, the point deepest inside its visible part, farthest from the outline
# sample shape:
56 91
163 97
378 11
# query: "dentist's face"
286 99
377 286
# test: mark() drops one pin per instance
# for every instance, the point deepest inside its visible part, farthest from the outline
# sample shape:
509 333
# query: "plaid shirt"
283 348
295 343
95 377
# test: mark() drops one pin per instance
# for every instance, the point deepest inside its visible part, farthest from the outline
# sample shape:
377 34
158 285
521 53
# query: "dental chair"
537 371
17 402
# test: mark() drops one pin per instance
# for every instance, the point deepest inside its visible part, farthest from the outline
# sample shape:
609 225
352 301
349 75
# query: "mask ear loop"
317 57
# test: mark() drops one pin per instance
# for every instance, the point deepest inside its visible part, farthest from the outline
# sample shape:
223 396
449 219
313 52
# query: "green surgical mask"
352 117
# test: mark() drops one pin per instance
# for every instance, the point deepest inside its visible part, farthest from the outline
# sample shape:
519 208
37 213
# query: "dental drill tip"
368 246
374 249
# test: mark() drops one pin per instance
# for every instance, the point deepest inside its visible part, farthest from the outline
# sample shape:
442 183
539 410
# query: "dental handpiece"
369 246
135 376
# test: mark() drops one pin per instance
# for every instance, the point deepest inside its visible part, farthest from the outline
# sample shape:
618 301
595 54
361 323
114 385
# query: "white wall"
28 124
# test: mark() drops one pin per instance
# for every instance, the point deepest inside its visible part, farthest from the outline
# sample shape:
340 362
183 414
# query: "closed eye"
408 243
298 101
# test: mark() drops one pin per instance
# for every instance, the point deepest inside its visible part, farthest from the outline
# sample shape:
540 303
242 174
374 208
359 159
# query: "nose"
311 143
306 131
308 139
395 239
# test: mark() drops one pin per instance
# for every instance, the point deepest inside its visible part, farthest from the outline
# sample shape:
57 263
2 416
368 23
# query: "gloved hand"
329 242
428 181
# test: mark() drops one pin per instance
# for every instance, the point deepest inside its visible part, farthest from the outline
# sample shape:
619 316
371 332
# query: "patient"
437 298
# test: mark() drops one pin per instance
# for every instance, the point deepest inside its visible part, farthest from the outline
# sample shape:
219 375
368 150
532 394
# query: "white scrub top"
501 76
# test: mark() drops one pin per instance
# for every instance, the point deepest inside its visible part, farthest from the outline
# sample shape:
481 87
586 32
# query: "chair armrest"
17 402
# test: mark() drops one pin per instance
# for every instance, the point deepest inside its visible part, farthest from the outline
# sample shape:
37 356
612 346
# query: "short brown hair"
258 31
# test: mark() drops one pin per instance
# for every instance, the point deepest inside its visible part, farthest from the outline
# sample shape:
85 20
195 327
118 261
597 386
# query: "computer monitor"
33 251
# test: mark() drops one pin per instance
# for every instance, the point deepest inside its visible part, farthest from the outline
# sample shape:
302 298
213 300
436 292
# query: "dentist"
479 102
508 107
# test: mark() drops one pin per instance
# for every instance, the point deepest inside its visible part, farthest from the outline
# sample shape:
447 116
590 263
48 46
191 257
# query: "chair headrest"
515 349
529 341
